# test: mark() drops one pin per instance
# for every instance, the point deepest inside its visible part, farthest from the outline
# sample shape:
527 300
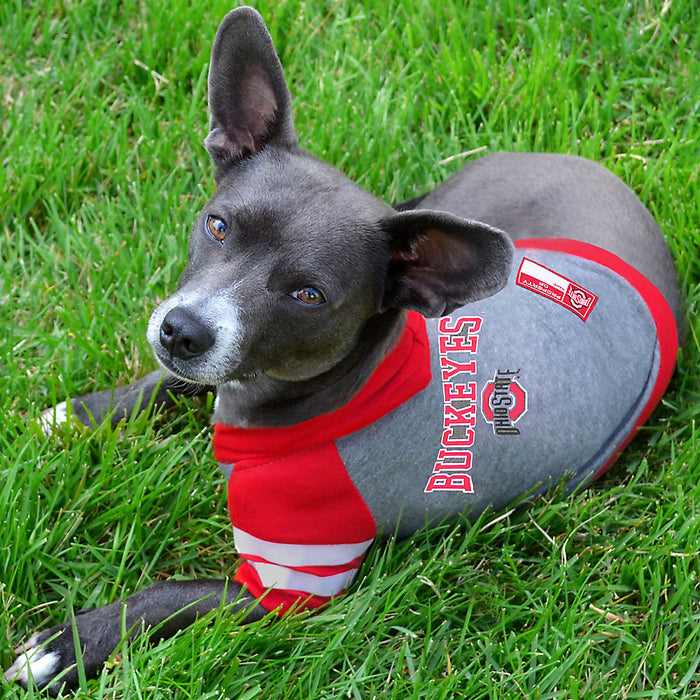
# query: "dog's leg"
158 389
160 610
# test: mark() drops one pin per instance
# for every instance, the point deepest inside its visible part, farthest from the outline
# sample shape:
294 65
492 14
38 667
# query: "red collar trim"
403 373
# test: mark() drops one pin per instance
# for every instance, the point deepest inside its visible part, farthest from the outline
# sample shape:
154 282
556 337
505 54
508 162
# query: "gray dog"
377 369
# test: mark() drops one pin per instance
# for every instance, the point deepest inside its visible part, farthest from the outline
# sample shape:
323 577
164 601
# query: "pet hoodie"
504 398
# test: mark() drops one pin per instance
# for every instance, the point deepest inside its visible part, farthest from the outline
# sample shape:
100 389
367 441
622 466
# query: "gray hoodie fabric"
543 387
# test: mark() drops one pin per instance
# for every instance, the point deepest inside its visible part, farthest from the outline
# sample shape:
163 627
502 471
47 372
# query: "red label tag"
547 283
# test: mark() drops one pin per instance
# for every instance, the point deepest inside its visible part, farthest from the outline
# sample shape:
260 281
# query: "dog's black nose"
183 335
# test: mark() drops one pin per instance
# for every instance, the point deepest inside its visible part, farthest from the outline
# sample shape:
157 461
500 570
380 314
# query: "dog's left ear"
439 262
249 99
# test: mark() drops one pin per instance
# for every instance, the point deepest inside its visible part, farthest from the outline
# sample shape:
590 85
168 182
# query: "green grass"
102 114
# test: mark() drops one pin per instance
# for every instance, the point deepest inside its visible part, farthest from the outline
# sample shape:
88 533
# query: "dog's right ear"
439 262
249 99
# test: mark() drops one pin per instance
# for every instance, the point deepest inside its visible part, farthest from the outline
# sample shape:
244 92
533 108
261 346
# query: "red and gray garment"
547 380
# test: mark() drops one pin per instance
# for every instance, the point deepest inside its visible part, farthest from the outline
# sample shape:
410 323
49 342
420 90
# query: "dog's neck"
266 402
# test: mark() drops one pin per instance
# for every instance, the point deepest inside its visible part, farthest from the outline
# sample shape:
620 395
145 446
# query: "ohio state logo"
551 285
504 402
579 298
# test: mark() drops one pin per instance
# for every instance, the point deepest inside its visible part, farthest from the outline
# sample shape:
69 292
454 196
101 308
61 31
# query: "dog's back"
531 195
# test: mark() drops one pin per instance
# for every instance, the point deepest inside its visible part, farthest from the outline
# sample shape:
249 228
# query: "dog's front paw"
54 417
42 658
48 658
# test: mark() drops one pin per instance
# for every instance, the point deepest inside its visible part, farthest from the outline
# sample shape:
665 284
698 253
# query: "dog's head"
289 260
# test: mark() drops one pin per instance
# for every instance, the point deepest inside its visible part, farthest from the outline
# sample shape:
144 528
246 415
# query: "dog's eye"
217 227
309 296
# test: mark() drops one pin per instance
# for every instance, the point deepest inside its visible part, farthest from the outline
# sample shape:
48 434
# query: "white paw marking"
33 662
51 418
